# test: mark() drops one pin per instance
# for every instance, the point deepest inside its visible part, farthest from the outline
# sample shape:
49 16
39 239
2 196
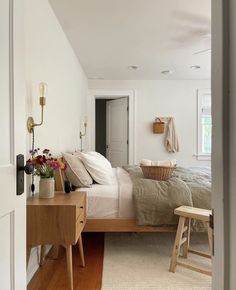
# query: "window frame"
201 155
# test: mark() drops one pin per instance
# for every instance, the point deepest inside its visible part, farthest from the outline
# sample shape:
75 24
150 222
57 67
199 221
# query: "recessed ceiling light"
96 78
133 67
195 67
167 72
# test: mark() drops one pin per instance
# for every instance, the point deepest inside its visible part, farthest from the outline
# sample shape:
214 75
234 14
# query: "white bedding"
111 201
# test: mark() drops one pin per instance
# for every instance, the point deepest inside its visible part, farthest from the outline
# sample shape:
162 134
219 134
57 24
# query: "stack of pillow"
167 163
85 168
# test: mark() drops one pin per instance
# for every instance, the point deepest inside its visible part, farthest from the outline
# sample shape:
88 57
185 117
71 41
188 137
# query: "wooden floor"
53 274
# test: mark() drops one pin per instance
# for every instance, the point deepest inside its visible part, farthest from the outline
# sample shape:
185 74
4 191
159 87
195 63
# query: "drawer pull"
81 207
81 222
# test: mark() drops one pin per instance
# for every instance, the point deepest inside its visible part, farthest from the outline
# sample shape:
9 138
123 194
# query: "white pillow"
99 167
76 171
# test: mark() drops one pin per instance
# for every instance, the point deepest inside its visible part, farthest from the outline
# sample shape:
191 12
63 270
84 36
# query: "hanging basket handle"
158 120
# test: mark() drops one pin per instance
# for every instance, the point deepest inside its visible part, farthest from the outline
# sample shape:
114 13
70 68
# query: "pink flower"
55 165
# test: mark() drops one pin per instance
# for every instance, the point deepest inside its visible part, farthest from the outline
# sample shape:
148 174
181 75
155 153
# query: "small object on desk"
67 186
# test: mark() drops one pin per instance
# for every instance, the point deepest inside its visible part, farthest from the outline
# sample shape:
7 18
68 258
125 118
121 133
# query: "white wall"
50 58
163 98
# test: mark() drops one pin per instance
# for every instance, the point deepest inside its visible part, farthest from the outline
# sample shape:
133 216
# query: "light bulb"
42 90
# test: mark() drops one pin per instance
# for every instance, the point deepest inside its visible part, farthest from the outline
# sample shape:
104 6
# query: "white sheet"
102 201
111 201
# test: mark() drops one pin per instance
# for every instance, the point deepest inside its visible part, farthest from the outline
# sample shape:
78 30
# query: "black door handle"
20 181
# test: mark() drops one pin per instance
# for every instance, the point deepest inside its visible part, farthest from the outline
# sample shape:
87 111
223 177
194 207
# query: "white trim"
220 139
11 80
200 155
95 94
12 247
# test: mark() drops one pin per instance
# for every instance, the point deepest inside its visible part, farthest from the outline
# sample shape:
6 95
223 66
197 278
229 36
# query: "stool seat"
193 212
182 239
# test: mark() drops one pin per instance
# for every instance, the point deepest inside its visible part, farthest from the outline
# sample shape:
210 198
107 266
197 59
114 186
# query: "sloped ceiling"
156 35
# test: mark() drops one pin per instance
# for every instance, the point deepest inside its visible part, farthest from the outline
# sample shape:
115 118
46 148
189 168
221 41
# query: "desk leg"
28 251
54 253
81 250
69 266
42 255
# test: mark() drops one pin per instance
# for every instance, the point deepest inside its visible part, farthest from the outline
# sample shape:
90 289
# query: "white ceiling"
156 35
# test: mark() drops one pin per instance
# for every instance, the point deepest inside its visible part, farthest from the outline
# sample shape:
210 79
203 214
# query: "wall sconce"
81 135
42 101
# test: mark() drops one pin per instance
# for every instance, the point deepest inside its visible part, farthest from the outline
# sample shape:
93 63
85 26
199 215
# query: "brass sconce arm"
42 101
81 135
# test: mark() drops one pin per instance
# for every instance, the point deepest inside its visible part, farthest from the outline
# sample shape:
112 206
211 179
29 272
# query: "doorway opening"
111 129
131 122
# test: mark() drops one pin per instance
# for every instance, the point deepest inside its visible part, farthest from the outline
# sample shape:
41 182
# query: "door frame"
221 143
18 145
91 111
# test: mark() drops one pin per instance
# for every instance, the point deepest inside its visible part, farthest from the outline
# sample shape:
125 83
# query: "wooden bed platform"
115 224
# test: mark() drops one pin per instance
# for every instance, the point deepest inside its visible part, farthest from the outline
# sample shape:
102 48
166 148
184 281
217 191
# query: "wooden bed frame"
114 224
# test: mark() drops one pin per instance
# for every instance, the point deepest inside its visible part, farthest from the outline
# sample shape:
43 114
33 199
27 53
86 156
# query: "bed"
110 207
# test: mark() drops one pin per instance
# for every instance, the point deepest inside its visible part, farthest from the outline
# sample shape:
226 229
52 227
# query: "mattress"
102 201
111 201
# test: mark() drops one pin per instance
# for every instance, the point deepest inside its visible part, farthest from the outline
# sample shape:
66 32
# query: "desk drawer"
80 208
80 223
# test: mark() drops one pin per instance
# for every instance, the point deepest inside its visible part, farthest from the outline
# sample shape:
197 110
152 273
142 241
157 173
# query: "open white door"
12 142
117 132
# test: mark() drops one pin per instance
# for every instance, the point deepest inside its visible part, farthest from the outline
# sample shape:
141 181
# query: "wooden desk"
57 221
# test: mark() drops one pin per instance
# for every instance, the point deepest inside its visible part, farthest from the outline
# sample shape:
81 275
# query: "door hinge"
127 142
211 225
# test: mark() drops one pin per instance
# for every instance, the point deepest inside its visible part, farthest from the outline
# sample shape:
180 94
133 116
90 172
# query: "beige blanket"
155 201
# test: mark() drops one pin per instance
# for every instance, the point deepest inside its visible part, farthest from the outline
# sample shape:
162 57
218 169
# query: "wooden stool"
186 213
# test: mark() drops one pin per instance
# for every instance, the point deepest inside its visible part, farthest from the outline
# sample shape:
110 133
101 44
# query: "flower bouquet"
44 166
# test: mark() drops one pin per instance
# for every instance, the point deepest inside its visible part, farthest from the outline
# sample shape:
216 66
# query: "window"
204 125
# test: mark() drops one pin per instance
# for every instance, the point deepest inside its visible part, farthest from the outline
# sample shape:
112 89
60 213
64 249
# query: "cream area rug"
141 262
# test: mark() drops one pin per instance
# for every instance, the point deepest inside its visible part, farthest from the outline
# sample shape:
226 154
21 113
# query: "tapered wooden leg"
177 244
69 266
54 253
81 251
186 244
210 238
42 255
28 251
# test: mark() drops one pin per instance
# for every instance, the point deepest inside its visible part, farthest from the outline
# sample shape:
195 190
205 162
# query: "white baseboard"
33 264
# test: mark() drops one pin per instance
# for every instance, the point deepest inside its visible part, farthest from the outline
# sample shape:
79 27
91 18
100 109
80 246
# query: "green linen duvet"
155 201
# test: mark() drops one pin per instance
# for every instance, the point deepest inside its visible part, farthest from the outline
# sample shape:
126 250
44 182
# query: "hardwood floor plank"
53 275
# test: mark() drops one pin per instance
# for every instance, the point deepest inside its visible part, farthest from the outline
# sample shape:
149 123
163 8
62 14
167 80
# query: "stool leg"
186 244
210 238
176 248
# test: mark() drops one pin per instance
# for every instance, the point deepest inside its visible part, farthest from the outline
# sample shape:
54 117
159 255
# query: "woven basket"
158 126
157 172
